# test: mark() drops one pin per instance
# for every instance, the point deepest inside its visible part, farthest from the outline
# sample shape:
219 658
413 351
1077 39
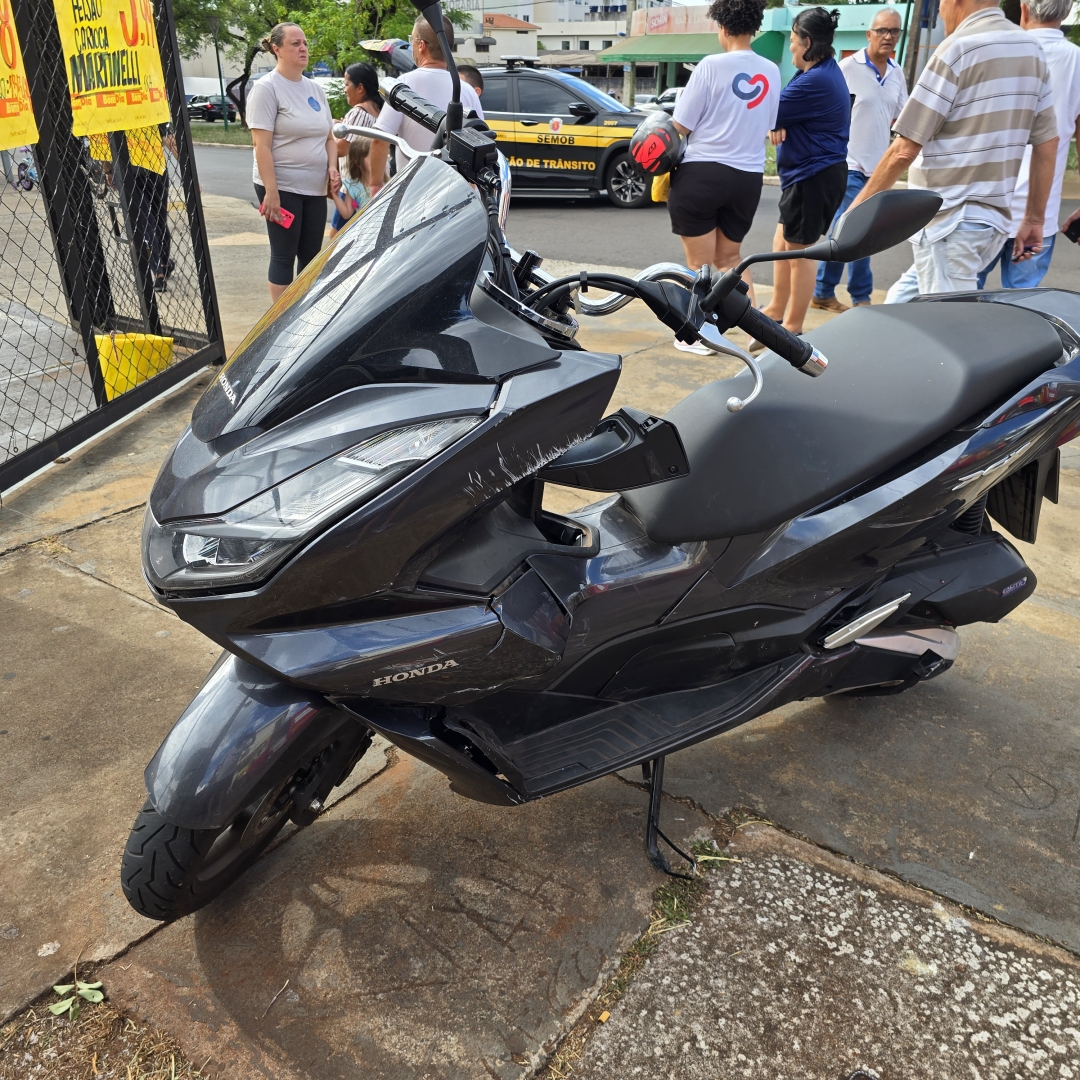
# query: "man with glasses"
431 80
878 92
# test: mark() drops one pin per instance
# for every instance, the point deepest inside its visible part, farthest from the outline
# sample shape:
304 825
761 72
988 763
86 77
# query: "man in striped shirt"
984 95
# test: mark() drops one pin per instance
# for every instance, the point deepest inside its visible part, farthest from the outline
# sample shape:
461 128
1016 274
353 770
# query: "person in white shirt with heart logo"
725 112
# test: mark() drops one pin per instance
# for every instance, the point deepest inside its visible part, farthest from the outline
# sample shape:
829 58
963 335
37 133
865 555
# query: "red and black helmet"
657 147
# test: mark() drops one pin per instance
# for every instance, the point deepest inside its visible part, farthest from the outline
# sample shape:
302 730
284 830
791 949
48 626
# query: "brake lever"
727 348
700 290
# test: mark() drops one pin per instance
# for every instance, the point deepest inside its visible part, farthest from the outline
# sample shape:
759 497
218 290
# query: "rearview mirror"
579 108
884 220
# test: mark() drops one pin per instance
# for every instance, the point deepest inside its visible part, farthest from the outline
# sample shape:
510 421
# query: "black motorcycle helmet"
657 146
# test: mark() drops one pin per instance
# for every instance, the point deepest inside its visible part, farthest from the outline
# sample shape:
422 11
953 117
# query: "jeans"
1020 275
860 280
905 288
953 263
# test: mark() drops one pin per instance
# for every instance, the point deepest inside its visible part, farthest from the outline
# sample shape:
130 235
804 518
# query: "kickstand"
653 775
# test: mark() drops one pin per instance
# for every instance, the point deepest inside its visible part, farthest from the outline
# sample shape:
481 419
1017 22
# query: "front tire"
627 188
168 871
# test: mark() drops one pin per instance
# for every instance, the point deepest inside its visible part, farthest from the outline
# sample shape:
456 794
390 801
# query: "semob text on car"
561 135
209 107
356 515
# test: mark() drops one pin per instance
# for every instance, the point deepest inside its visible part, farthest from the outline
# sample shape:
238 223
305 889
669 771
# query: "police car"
561 135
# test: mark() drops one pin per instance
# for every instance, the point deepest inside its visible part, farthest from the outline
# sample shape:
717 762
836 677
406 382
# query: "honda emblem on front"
414 673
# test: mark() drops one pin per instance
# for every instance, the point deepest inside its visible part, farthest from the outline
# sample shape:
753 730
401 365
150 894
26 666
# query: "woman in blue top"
811 138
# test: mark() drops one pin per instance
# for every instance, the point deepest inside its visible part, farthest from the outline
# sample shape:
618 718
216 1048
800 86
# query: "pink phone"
287 216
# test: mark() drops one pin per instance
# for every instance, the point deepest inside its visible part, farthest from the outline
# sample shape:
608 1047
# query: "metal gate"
106 292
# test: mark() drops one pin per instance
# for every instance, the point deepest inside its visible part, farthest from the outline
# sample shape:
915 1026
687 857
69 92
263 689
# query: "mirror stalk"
730 279
881 221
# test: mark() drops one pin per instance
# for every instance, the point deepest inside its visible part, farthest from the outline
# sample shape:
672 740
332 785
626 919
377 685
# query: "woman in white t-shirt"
295 155
726 112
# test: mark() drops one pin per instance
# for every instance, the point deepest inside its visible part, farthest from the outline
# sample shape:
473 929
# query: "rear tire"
168 871
627 188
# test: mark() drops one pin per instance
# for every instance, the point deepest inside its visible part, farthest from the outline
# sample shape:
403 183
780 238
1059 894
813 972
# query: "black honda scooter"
355 515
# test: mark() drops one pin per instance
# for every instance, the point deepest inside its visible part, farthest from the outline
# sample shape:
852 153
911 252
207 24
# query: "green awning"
660 47
672 48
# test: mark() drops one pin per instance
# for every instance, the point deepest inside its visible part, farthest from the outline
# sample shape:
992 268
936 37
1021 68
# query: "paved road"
595 232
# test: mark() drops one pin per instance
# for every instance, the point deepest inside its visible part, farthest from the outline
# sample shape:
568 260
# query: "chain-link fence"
106 292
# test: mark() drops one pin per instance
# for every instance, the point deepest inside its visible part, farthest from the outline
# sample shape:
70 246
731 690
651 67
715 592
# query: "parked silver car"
665 102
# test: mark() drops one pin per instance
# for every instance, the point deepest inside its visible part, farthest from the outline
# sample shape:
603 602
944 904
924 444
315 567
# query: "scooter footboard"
244 732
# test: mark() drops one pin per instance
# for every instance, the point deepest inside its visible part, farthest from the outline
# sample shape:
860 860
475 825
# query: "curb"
224 145
774 181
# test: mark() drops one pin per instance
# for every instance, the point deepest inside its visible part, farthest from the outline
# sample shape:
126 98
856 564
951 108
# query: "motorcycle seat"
899 377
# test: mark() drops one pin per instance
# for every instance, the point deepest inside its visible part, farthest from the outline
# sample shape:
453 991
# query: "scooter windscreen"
387 302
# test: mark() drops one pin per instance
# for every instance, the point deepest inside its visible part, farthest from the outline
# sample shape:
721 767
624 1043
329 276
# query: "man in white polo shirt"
878 87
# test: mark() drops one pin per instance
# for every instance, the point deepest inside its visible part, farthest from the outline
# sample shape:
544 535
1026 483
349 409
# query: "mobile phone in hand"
286 217
1073 231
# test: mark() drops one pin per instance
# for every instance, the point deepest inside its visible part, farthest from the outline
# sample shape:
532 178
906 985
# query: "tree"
242 26
334 29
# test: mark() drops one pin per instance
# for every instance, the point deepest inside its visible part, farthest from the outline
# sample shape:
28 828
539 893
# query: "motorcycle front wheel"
169 871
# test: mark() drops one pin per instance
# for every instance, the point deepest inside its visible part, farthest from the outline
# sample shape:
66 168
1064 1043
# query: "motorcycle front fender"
245 732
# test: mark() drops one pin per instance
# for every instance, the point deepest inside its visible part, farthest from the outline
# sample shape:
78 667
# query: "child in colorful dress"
354 191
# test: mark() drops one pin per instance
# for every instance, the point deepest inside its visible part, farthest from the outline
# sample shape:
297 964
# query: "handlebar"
797 351
614 301
412 105
343 131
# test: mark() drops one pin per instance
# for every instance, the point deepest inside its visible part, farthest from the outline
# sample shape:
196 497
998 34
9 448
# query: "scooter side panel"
431 652
454 654
244 732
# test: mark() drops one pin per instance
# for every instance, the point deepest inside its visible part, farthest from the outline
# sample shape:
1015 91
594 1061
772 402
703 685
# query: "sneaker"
697 348
863 303
829 303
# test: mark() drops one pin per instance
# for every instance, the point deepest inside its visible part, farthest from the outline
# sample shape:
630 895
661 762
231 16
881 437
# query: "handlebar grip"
415 107
797 351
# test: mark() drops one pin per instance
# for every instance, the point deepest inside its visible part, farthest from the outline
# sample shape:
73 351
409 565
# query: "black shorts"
808 206
706 195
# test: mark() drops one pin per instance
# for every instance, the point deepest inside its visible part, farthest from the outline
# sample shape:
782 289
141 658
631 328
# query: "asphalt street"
593 231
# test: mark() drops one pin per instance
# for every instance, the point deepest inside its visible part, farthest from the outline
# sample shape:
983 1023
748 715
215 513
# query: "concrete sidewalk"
799 964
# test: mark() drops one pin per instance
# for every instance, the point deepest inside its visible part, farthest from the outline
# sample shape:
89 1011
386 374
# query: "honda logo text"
415 673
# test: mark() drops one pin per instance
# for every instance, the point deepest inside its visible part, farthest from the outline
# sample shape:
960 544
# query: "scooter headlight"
246 544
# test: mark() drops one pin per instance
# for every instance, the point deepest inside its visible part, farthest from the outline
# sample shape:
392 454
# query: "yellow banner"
145 148
17 126
113 64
